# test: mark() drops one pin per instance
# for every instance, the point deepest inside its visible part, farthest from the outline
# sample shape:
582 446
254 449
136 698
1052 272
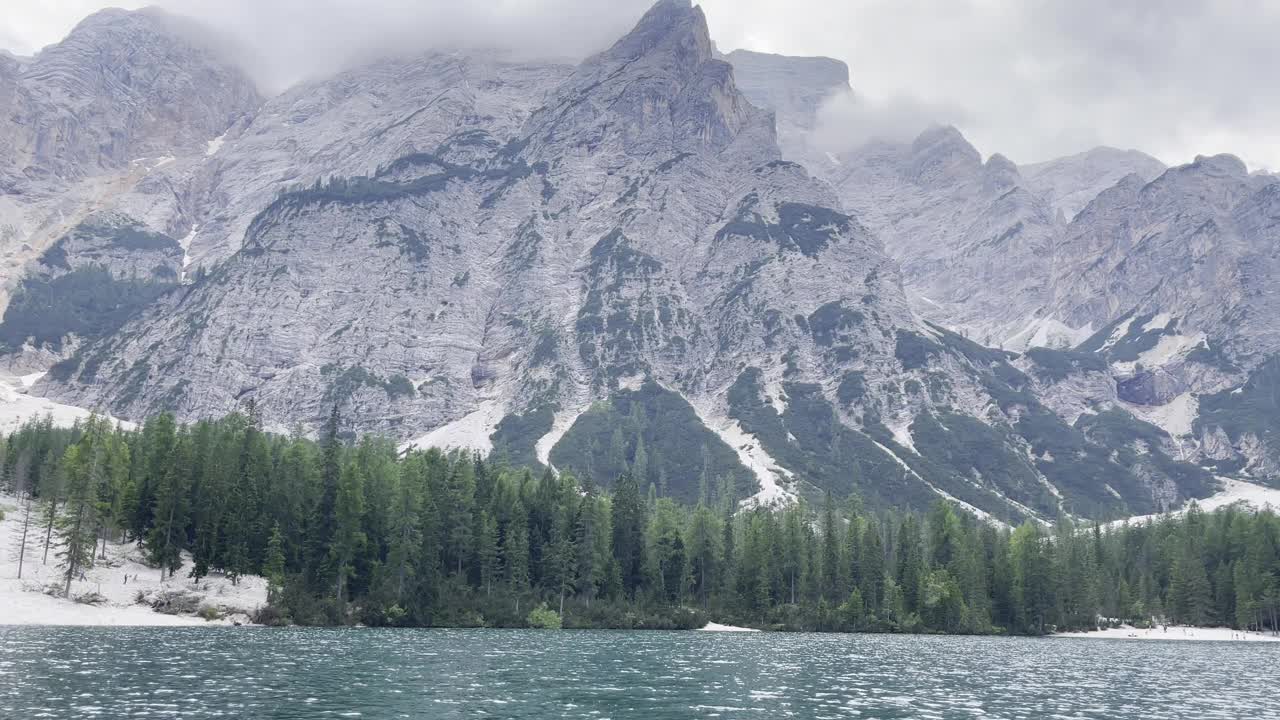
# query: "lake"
67 672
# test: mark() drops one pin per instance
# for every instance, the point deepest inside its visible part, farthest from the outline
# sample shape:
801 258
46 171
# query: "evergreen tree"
628 532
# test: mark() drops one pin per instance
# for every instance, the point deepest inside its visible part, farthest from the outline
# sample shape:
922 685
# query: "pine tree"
830 590
348 536
83 468
628 532
487 551
170 510
273 565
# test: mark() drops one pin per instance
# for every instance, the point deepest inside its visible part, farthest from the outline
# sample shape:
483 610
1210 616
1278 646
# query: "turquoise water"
306 673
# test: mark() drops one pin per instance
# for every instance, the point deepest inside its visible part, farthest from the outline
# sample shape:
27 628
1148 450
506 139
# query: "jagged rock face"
504 255
1072 182
973 239
795 88
353 124
1196 244
121 86
616 233
84 124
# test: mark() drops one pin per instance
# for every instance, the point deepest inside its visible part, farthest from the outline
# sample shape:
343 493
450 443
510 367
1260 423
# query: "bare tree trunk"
26 525
48 531
73 553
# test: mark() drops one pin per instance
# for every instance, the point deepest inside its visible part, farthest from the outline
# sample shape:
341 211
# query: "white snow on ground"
834 160
186 250
902 435
1121 330
1046 332
1256 497
215 145
1172 632
31 379
559 426
469 432
632 383
1168 348
17 407
1159 322
717 627
23 601
776 396
1176 417
773 478
982 514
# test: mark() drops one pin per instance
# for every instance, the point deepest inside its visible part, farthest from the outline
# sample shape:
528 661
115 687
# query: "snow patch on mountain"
1046 332
469 432
215 145
776 482
1232 492
560 425
17 407
1177 417
902 435
1167 349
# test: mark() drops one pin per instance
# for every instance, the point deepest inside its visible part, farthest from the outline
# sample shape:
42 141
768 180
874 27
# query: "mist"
1032 79
847 121
282 42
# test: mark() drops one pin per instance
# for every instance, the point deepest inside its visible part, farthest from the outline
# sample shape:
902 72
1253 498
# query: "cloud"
848 120
1032 79
1035 79
284 41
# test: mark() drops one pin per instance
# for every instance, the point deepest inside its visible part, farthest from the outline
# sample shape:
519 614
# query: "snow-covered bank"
717 627
17 406
1172 632
24 602
1233 492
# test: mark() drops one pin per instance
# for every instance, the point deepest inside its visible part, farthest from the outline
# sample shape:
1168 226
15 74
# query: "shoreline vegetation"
349 531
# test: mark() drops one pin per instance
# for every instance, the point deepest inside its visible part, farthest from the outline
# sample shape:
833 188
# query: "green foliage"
515 437
1252 409
830 322
853 387
88 301
356 533
603 443
914 350
344 382
809 438
543 618
807 229
1055 365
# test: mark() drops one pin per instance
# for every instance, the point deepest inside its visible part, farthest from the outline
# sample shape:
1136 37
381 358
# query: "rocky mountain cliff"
88 121
618 265
1142 287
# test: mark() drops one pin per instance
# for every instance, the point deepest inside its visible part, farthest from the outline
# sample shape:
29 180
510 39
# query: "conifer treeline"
355 532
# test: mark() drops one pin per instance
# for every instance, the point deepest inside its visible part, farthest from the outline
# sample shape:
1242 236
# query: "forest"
349 530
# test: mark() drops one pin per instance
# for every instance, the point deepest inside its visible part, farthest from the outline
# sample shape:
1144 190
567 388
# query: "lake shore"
124 589
1172 632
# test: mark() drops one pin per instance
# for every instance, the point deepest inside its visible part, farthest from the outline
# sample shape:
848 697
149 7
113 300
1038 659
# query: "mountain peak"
1223 164
674 23
659 88
942 154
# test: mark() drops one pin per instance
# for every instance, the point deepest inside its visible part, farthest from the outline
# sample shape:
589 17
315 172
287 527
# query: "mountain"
1127 285
85 123
1072 182
796 89
599 268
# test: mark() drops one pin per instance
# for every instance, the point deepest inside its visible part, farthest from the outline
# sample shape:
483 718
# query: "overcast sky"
1032 79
